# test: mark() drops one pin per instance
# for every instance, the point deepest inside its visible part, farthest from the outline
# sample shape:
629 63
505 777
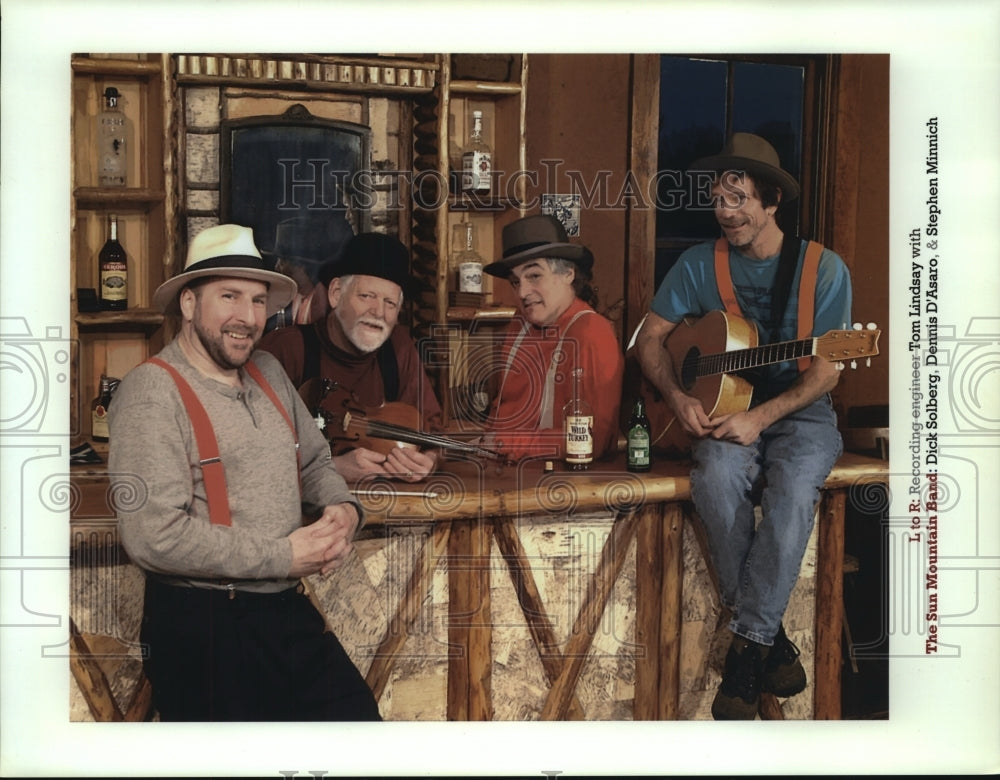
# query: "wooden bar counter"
462 512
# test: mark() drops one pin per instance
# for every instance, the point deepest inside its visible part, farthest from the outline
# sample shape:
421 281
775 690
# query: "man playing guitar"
787 439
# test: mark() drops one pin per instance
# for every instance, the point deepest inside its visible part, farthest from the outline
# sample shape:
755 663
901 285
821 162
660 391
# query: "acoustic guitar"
708 353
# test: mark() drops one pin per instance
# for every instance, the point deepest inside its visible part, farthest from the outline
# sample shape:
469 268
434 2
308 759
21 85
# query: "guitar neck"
752 357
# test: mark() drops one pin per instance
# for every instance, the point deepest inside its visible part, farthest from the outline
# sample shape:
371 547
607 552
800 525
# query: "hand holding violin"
404 463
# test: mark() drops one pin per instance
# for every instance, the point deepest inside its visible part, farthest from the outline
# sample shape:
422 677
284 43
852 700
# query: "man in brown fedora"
235 500
787 441
362 347
557 333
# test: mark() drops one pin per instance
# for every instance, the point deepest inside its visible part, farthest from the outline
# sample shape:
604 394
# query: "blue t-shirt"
690 290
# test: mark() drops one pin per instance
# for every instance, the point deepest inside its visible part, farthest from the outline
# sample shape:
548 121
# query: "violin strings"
393 431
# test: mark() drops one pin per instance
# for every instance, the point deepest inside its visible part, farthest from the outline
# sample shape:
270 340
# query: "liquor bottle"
114 131
638 436
99 412
477 160
466 261
578 427
114 271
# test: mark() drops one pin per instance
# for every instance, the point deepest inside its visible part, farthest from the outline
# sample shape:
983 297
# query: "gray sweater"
159 492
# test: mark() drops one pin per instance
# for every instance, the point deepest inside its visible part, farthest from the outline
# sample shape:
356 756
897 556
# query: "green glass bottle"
638 435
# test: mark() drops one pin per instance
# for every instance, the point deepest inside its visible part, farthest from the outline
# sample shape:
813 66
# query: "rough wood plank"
141 706
419 585
92 681
670 605
469 628
770 708
829 604
532 605
648 587
598 591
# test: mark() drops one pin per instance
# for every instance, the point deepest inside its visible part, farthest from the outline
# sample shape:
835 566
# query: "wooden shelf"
459 87
130 319
475 203
470 314
104 197
115 67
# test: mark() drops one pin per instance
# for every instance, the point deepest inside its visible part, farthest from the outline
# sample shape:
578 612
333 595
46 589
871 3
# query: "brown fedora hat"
750 153
541 235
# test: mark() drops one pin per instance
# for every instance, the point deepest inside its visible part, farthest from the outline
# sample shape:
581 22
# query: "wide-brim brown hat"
537 236
750 153
226 251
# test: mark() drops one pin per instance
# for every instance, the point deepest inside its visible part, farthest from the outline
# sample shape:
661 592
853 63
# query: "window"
703 100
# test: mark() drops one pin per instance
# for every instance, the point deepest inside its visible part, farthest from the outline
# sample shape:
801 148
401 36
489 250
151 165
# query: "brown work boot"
783 672
739 693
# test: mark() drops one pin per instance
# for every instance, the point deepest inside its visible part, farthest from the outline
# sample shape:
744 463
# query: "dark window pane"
767 101
692 125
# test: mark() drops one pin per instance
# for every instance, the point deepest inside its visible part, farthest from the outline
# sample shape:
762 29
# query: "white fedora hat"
226 251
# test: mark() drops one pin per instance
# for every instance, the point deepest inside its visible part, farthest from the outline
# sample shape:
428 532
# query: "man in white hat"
235 500
558 333
786 441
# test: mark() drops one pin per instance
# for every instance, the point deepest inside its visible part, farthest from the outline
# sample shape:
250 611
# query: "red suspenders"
807 289
208 446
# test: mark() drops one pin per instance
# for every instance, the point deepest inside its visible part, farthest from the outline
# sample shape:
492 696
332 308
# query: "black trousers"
253 657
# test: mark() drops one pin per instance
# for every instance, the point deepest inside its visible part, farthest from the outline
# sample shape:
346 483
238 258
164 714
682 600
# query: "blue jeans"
757 567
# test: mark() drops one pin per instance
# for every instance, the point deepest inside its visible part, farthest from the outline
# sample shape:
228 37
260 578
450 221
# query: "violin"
347 423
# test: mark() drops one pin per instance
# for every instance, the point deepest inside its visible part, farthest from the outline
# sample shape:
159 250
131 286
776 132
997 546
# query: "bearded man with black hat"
787 441
235 500
363 349
557 332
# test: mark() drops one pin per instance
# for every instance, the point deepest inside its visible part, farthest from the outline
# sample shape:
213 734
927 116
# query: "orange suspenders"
208 446
807 289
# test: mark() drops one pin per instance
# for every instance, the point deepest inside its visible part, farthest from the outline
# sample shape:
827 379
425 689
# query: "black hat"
751 153
541 235
374 254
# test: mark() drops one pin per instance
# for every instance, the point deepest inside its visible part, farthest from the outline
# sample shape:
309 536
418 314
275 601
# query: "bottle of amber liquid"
114 271
477 160
578 427
638 436
99 411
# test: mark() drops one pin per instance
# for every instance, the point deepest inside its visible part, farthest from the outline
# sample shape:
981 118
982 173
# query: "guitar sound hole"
689 368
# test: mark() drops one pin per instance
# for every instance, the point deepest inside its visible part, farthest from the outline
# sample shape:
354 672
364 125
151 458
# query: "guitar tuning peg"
872 326
854 364
857 326
840 365
868 362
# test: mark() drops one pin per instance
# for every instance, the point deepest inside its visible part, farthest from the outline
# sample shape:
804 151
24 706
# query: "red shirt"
527 415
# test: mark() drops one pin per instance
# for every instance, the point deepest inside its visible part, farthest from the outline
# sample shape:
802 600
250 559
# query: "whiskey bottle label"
114 286
476 171
99 423
638 447
579 439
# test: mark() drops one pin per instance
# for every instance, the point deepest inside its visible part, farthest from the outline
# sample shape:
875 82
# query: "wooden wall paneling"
640 227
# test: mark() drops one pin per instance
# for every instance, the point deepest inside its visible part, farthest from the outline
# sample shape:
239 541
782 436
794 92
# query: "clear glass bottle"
466 262
113 270
99 411
638 436
477 160
114 142
578 427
